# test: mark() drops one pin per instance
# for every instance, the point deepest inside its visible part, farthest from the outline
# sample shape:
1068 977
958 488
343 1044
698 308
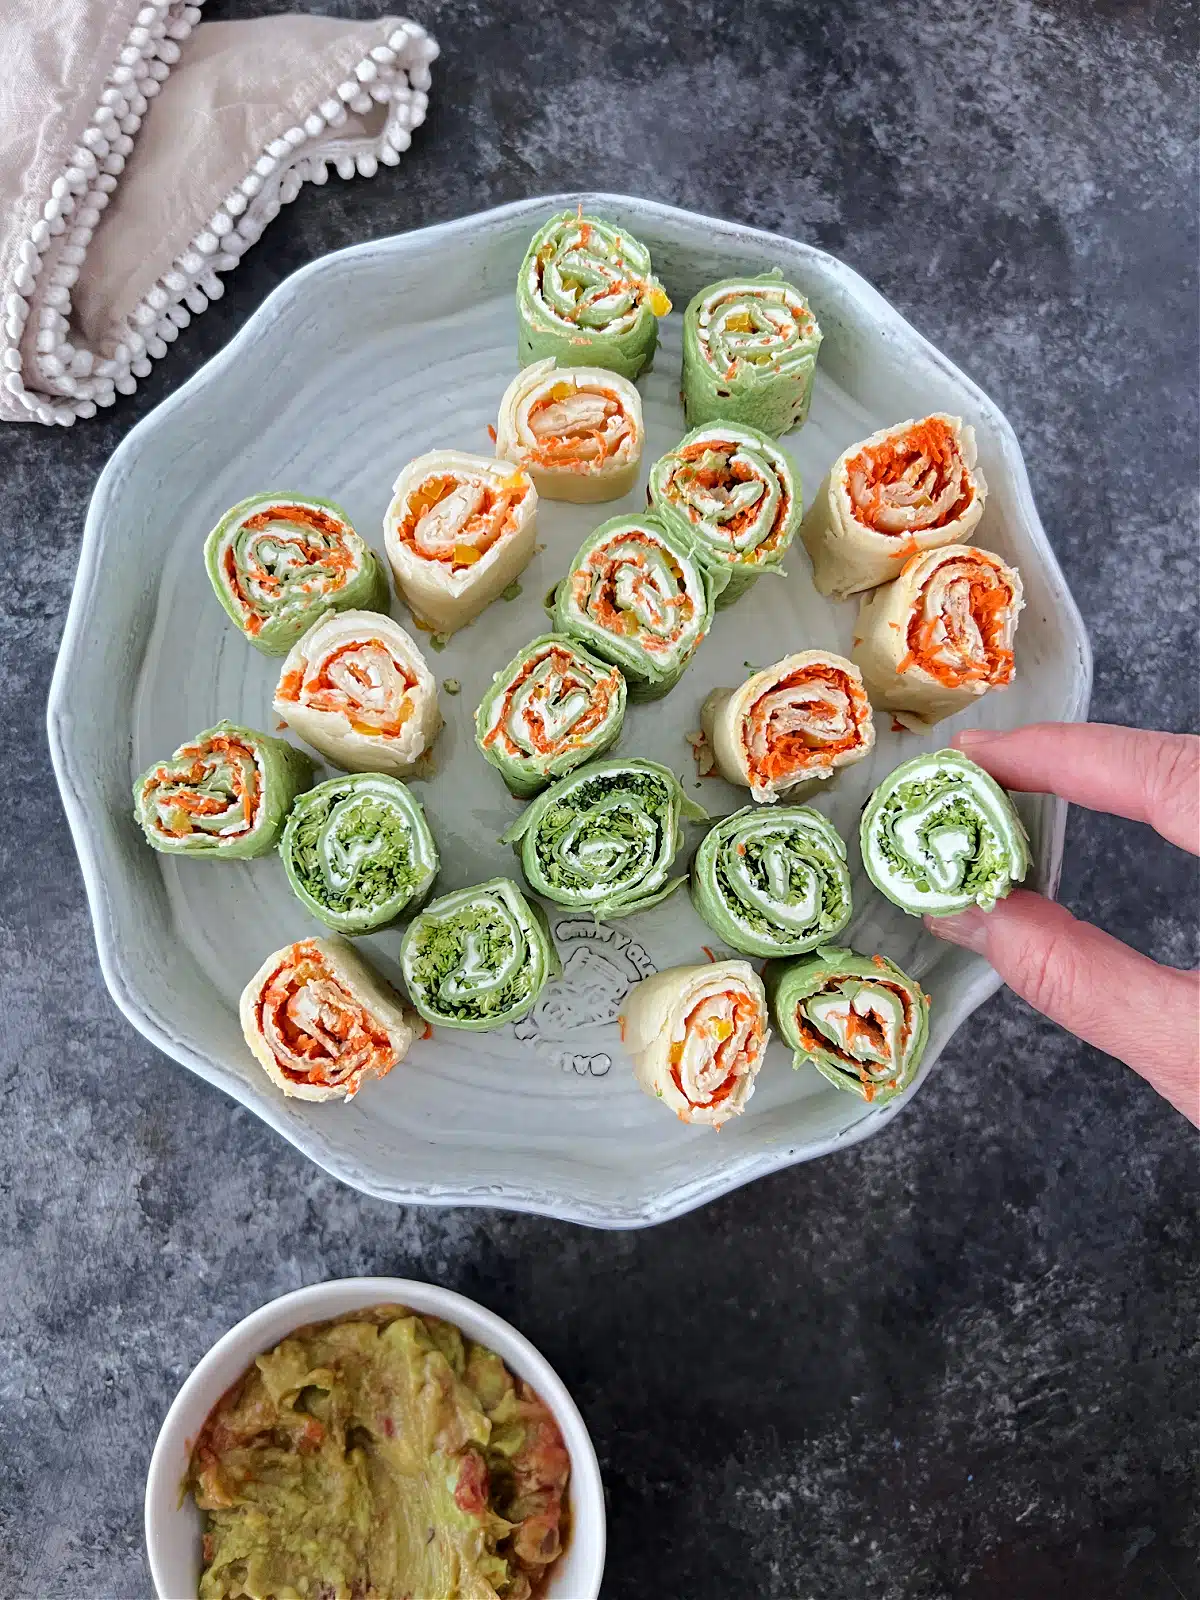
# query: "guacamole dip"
379 1457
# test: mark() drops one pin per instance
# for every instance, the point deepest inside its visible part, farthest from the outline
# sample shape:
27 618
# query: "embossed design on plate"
600 965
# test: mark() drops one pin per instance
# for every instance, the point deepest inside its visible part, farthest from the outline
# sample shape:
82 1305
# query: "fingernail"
968 929
972 738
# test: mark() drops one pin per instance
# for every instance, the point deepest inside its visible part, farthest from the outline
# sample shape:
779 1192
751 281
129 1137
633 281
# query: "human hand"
1080 977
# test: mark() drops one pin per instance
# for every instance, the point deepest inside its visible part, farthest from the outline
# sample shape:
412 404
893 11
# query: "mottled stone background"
959 1360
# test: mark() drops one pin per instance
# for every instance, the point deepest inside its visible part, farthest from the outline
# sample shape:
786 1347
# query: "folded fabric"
141 156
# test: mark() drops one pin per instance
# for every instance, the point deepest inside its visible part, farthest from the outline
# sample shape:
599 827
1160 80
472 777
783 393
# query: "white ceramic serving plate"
353 366
173 1525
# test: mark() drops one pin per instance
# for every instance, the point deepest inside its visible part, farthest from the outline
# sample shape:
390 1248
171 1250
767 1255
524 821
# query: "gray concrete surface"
957 1361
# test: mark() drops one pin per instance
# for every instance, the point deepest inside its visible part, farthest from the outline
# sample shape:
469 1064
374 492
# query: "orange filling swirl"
317 1031
648 616
871 1030
912 482
576 427
333 561
567 681
723 1039
960 629
457 521
801 723
718 477
363 680
183 805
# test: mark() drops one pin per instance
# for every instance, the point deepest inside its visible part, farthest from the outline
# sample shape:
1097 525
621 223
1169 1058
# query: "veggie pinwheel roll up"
749 354
587 297
941 634
604 839
858 1019
319 1020
479 957
639 597
733 492
224 794
358 852
459 530
278 562
577 431
551 708
906 489
697 1036
939 834
773 883
794 723
357 689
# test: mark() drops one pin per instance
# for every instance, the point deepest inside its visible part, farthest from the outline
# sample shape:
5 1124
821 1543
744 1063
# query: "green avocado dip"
381 1456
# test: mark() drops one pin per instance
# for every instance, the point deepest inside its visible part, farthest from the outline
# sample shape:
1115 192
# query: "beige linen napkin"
141 155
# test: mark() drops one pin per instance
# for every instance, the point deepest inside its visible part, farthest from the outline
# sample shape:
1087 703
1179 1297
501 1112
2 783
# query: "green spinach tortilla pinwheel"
224 794
638 596
858 1019
604 839
773 883
698 1036
586 295
733 492
479 957
358 852
749 354
278 562
939 834
550 709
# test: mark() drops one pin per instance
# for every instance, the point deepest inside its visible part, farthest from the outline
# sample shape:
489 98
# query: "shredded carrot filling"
887 463
494 518
186 804
869 1030
990 602
600 693
737 472
335 560
601 604
582 442
794 750
720 1031
323 693
338 1041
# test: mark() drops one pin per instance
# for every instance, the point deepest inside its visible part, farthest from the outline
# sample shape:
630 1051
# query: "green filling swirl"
638 597
586 296
749 354
553 707
604 839
479 957
224 794
860 1020
279 562
358 852
732 492
773 883
939 834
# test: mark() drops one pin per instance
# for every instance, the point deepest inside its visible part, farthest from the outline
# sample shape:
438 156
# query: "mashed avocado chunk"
381 1456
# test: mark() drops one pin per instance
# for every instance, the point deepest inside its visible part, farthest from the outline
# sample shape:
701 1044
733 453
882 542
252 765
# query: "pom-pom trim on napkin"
69 382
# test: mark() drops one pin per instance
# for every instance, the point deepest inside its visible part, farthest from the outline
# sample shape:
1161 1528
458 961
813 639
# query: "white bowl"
173 1525
353 366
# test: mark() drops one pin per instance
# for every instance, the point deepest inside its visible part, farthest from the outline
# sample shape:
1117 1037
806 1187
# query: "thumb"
1090 983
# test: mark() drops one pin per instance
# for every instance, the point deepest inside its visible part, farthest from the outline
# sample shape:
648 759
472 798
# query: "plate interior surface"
354 366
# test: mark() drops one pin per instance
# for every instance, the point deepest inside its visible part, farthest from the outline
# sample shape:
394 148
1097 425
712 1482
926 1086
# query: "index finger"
1130 772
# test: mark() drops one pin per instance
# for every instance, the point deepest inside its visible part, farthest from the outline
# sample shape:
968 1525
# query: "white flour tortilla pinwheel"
319 1021
906 489
459 530
791 725
697 1036
941 634
358 689
577 431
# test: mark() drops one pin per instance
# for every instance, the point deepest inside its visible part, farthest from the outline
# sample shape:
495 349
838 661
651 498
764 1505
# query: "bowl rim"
977 986
163 1476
